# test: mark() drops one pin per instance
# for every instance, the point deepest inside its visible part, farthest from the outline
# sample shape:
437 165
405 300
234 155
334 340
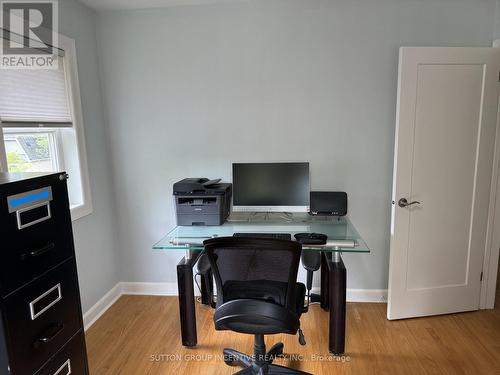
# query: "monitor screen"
279 187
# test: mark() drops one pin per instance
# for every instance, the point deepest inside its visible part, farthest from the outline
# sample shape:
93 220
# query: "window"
41 119
29 151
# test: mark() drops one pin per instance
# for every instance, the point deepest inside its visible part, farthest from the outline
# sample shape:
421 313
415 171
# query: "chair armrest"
311 259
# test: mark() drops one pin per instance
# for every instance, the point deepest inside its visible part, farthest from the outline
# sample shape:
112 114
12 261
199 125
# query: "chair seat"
255 317
264 290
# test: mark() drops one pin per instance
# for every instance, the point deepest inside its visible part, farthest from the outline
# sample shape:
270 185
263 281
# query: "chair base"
272 370
261 362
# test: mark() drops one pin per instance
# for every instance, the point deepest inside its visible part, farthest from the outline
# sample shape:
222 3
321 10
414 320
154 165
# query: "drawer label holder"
35 314
65 367
23 203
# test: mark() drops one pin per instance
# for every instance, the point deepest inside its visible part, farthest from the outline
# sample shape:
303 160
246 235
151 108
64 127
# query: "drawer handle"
32 303
33 254
50 334
65 366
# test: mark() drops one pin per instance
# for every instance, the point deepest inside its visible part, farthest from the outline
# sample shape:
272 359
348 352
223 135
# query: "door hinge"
481 278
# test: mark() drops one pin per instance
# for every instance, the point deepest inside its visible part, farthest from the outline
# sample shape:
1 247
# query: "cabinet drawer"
42 317
70 360
35 227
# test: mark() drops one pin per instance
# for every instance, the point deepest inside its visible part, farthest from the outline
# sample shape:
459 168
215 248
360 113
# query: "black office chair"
257 293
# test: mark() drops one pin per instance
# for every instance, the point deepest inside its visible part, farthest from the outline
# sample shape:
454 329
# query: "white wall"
188 90
94 234
496 27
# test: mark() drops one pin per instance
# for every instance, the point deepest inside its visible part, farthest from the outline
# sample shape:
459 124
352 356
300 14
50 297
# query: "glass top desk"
342 238
342 235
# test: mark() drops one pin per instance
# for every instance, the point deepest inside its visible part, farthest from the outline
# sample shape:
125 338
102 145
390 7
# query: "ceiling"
102 5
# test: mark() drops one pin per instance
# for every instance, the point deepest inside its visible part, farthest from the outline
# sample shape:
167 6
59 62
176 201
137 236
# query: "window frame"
75 105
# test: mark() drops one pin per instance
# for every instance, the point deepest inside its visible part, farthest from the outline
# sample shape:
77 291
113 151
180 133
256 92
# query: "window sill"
77 212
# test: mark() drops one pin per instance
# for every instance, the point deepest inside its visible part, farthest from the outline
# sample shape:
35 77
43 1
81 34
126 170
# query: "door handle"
403 202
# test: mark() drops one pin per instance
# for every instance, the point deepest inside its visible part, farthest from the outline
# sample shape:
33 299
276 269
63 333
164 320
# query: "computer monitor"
271 187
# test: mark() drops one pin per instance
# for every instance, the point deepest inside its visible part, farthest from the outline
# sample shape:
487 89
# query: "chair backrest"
251 259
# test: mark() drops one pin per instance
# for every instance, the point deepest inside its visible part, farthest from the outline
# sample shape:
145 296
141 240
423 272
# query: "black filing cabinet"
41 325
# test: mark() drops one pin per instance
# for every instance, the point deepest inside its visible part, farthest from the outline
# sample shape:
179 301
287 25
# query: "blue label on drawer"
29 198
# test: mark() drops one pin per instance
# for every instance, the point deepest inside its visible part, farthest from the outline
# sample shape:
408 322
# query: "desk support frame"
333 299
187 311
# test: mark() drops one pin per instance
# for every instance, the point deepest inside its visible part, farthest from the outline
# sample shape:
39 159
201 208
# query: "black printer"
200 201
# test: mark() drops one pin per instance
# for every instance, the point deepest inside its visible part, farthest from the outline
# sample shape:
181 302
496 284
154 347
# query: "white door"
445 134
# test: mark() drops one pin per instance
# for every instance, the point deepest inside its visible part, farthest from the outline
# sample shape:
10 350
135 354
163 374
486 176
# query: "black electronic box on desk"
41 325
200 201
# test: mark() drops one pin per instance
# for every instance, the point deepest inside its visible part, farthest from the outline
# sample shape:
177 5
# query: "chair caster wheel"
275 352
229 360
302 339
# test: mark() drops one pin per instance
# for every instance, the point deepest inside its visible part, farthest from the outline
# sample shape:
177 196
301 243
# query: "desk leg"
187 311
324 294
337 294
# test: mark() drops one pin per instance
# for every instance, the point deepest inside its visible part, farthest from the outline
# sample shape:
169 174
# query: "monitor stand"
261 216
278 216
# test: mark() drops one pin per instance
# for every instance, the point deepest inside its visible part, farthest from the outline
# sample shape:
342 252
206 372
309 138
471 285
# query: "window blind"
30 97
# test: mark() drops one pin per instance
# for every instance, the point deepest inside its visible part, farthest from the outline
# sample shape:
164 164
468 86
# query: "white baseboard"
367 295
170 289
362 295
101 306
150 289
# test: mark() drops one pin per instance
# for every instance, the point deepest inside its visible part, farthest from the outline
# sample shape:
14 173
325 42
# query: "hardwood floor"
140 335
